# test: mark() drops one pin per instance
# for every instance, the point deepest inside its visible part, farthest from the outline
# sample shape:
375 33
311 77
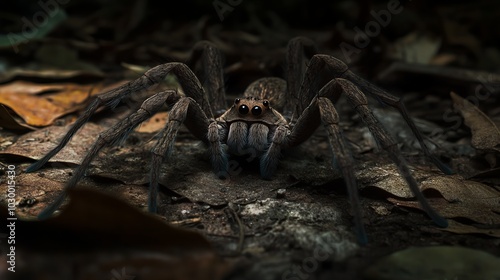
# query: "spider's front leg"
359 103
205 54
343 160
322 68
338 69
329 118
320 110
113 135
185 111
194 110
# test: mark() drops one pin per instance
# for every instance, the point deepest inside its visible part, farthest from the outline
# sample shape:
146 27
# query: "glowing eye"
265 103
236 101
256 111
243 109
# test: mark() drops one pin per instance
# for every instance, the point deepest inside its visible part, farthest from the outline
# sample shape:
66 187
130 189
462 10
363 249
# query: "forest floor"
297 225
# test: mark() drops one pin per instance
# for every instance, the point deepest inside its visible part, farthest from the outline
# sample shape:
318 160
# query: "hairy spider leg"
155 75
397 103
299 51
322 66
359 102
320 110
344 161
110 98
286 96
150 106
206 62
317 110
186 111
270 159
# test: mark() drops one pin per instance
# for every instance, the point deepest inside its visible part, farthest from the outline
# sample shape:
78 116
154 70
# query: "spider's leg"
270 159
343 160
299 51
206 62
397 103
283 138
74 128
321 110
186 111
338 69
155 75
360 104
110 136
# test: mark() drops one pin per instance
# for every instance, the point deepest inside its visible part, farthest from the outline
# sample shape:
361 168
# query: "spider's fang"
243 109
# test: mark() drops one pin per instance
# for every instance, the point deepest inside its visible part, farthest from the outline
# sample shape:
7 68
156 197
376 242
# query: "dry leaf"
8 121
104 237
463 199
456 227
485 134
98 218
42 109
36 144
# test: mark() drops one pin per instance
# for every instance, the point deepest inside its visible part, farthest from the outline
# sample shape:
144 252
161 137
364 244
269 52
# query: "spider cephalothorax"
247 127
253 124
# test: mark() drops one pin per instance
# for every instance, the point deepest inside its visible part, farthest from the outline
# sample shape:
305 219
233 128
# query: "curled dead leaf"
41 104
485 134
462 198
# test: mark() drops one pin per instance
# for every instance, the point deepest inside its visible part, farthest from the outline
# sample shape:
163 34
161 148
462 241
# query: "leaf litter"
485 134
116 235
50 100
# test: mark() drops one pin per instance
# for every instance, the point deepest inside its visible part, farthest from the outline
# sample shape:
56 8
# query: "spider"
254 122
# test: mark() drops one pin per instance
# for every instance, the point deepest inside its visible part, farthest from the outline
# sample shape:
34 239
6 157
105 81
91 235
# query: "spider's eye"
236 101
243 109
265 103
256 111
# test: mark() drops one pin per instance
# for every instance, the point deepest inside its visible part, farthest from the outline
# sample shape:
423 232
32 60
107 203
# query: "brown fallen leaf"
485 134
456 210
8 121
104 237
36 144
466 199
39 108
462 198
456 227
97 218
